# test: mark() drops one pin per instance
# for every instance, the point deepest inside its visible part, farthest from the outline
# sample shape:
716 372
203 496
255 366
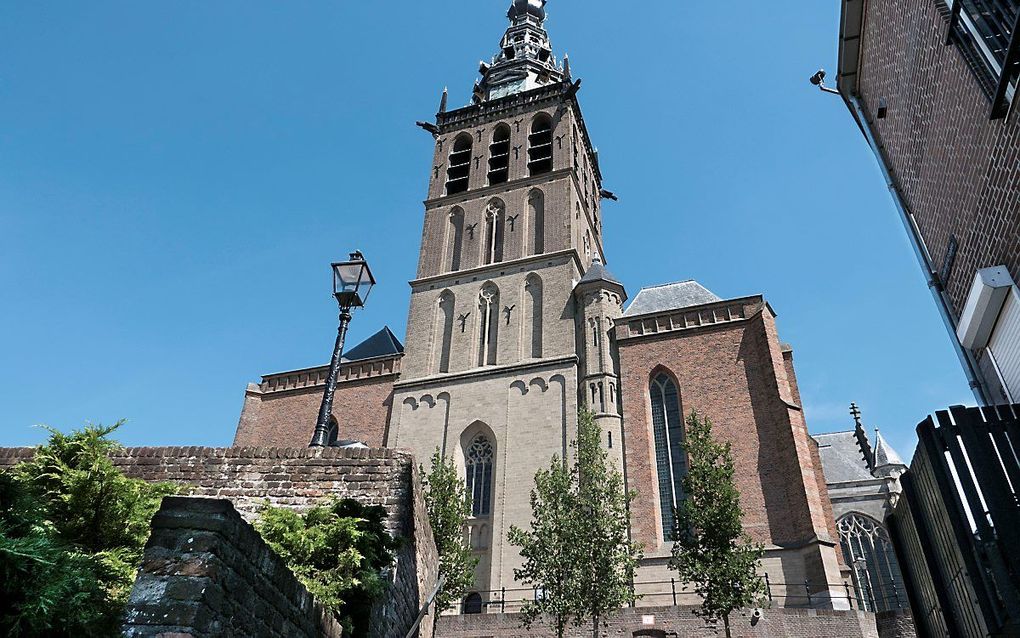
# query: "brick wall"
281 410
958 171
206 572
677 621
298 478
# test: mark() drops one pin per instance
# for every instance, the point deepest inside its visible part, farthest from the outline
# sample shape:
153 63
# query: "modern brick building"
932 84
515 322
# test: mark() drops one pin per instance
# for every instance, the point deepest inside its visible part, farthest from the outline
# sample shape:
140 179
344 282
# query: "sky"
176 177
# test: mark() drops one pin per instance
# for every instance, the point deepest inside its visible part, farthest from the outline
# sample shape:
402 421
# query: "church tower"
506 333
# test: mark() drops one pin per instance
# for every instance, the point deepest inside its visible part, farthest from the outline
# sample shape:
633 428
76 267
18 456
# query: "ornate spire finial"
442 101
522 9
856 413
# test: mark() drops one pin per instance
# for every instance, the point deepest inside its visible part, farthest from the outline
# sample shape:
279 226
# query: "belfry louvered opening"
540 146
499 155
459 169
986 32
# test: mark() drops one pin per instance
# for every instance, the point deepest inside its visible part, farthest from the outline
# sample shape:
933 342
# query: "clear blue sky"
175 178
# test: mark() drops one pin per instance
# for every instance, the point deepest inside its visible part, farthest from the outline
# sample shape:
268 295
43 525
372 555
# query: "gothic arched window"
473 603
499 155
479 463
533 298
540 147
536 221
447 302
459 169
872 559
456 234
488 321
670 458
495 216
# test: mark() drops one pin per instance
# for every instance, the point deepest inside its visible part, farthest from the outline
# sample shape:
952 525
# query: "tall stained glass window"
670 458
479 475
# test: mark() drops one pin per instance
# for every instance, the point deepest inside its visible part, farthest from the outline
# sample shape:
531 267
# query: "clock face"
506 89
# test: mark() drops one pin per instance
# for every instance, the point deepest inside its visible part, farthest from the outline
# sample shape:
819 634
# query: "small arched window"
499 155
445 325
478 463
456 234
872 559
536 221
334 432
473 603
670 458
540 147
459 169
488 319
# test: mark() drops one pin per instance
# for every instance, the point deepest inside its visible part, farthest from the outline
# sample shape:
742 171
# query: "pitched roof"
381 344
598 272
884 453
842 458
682 294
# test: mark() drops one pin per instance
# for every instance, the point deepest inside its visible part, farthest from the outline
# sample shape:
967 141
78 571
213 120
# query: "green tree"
578 552
448 507
548 547
72 532
712 551
338 550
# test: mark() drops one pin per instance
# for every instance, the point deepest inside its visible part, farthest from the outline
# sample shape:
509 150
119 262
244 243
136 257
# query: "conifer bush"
339 550
72 532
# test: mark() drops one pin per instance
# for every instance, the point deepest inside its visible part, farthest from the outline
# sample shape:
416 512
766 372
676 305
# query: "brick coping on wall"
21 453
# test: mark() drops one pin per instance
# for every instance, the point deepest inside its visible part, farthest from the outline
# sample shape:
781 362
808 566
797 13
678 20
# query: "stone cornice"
490 371
496 189
316 377
481 271
703 316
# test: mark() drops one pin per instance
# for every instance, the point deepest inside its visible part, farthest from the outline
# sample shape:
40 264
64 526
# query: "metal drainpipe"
981 392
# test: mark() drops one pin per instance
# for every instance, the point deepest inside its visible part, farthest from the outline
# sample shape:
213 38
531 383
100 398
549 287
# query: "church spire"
525 60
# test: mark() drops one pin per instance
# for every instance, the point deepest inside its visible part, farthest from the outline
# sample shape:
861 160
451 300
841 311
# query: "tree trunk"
726 624
595 626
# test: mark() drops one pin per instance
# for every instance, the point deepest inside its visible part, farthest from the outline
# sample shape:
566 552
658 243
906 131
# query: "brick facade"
957 171
207 572
729 366
281 410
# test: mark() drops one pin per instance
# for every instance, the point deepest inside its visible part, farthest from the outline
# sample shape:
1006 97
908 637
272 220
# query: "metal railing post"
807 588
672 585
768 588
846 586
502 601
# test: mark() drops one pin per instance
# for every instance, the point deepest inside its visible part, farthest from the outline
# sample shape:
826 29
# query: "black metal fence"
958 527
663 593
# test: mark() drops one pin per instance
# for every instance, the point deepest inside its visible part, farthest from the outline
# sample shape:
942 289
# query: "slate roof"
682 294
885 454
842 458
598 272
381 344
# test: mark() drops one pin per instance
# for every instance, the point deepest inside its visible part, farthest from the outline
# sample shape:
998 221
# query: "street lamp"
352 282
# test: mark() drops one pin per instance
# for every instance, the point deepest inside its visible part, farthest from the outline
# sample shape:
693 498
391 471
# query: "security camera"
818 78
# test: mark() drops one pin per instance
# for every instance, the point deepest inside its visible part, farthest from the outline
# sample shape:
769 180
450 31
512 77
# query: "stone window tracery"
488 306
447 301
456 233
869 552
536 221
495 218
670 458
533 296
479 464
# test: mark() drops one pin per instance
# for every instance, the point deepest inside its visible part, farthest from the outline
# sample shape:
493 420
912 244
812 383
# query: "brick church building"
515 322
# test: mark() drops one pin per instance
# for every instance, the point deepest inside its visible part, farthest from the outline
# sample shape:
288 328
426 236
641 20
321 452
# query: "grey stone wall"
206 572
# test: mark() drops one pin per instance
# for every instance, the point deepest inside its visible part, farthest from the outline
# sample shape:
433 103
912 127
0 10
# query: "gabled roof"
842 458
598 272
682 294
381 344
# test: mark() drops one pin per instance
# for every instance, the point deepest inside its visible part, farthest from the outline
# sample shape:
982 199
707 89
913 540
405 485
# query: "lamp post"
352 281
